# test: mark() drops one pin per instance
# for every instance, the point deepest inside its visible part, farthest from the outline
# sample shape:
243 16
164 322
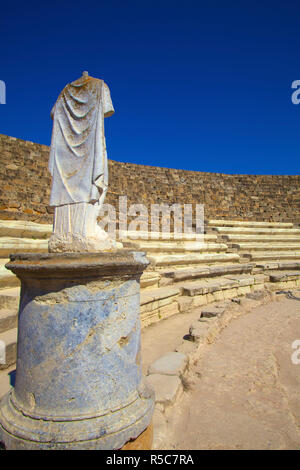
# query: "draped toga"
78 159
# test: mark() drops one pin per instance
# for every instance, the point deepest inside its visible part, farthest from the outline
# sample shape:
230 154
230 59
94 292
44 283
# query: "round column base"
106 432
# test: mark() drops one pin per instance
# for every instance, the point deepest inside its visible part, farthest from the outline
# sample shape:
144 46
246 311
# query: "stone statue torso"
78 160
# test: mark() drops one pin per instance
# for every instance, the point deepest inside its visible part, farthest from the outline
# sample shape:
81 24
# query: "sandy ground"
245 389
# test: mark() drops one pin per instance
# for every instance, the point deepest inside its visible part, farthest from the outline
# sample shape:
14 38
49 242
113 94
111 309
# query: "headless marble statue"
78 165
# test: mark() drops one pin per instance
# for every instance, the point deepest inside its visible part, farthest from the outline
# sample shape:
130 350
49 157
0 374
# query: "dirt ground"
245 389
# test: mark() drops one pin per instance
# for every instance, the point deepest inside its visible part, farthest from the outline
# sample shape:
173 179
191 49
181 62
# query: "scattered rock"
257 295
198 331
209 312
166 387
172 363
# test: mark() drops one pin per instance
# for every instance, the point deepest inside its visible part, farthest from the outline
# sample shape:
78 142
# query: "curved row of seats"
232 258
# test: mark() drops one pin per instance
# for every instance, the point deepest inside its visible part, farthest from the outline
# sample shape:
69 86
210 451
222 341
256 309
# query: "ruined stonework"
25 188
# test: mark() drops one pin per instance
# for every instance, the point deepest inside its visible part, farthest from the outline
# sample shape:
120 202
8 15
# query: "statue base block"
78 381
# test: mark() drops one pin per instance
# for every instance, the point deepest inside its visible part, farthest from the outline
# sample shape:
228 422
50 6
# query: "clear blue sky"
196 85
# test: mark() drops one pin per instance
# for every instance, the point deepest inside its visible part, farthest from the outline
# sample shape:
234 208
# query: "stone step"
248 223
157 304
177 246
149 279
209 286
282 276
261 238
179 275
136 236
266 246
189 259
9 298
256 231
159 294
7 278
10 245
272 256
9 338
23 228
8 319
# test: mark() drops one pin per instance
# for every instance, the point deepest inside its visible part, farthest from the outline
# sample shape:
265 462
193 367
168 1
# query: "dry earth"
244 388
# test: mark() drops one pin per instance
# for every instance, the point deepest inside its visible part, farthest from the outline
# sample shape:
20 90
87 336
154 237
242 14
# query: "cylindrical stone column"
78 380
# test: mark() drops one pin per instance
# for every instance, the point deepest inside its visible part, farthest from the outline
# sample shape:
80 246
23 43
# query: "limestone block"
217 296
193 273
229 293
167 388
149 278
228 283
285 276
149 307
7 278
165 281
172 363
211 297
10 340
290 284
259 278
209 312
8 320
198 331
20 245
149 296
184 303
289 265
9 298
257 295
195 288
238 223
168 310
243 290
148 318
199 300
24 228
258 287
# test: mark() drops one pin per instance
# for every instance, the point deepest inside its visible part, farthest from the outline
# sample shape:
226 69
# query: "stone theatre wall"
25 188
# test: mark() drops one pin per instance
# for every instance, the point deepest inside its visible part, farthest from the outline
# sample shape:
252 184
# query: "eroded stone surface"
166 387
209 312
172 363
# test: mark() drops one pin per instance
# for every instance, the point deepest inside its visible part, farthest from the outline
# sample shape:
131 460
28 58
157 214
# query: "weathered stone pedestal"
78 380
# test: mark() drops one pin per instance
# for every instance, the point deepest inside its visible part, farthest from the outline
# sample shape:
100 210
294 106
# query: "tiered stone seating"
18 236
187 273
270 245
9 301
232 259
